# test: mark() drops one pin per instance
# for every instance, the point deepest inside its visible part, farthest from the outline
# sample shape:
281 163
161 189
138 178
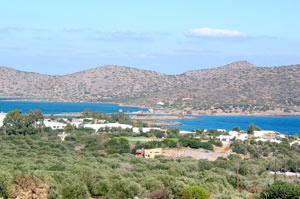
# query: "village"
61 125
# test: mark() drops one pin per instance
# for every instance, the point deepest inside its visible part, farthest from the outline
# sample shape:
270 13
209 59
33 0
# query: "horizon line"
109 65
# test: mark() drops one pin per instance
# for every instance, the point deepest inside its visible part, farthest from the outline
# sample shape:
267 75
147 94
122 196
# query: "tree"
204 165
257 128
69 128
251 128
195 192
237 129
14 123
36 118
238 147
121 118
158 133
52 117
17 123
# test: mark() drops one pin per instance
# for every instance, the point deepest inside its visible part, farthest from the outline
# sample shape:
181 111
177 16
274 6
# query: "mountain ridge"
233 65
234 88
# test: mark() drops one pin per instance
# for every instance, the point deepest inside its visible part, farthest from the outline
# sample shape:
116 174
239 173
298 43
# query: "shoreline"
156 111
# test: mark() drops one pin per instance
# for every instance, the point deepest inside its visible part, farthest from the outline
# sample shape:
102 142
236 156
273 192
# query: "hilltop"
236 88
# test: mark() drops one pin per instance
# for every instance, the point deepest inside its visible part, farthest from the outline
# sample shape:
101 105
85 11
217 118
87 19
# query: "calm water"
276 123
281 124
62 107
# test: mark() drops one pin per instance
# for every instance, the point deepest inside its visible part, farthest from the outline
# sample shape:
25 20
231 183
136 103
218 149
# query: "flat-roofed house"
148 153
108 125
53 124
151 153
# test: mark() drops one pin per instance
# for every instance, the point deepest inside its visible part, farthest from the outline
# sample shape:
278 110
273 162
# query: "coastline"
159 110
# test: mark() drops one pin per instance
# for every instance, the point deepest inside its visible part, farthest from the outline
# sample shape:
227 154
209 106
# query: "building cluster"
232 135
226 137
263 136
96 125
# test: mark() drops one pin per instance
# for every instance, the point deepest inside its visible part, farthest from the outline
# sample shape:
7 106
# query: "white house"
2 116
54 125
109 125
263 133
266 140
144 130
243 136
160 103
186 132
225 139
295 142
281 135
233 133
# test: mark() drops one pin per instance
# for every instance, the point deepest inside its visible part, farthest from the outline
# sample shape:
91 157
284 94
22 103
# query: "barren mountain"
237 87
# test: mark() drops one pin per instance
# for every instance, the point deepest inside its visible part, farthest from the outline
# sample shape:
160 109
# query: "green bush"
238 147
195 192
204 165
101 187
281 190
5 184
76 190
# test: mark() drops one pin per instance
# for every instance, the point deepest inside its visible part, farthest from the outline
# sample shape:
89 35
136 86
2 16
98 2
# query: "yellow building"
151 153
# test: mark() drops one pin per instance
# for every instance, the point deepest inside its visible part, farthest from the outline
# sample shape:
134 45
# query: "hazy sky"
168 36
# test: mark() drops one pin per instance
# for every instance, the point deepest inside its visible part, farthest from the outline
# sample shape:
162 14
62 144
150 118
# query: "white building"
233 134
295 142
186 132
281 136
109 125
2 116
160 103
225 139
144 130
54 125
243 136
266 140
263 133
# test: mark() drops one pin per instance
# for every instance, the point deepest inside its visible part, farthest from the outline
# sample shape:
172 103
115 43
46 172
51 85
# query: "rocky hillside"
234 88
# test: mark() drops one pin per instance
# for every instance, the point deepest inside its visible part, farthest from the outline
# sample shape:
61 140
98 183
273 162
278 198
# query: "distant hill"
239 87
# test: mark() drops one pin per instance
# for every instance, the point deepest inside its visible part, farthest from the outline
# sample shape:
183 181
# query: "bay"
289 124
282 124
63 107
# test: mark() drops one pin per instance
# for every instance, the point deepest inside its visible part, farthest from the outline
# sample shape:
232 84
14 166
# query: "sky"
168 36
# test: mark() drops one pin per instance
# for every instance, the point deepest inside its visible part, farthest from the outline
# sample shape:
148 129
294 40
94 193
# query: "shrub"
237 129
195 192
5 184
101 188
76 190
238 147
281 189
204 165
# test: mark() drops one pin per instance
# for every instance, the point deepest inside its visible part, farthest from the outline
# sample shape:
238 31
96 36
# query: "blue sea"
290 124
282 124
62 107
